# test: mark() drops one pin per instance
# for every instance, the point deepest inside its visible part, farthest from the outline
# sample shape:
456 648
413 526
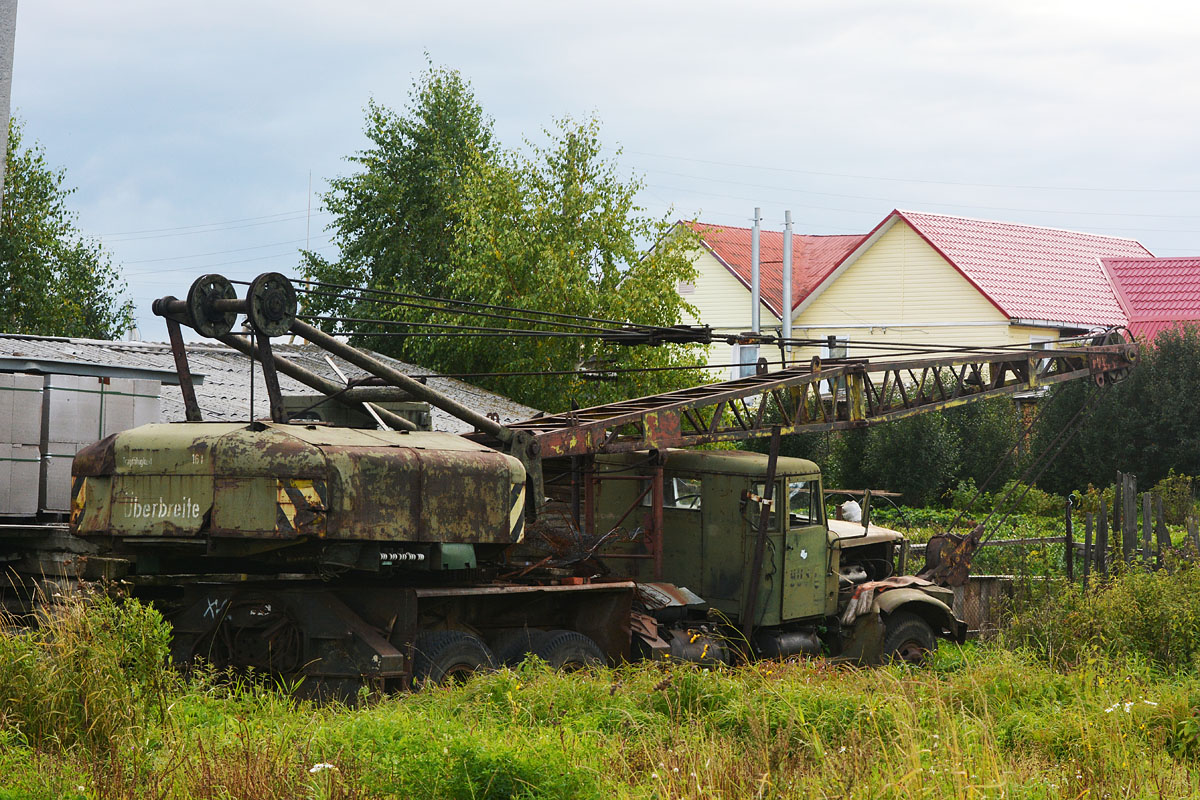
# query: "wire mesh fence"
1094 537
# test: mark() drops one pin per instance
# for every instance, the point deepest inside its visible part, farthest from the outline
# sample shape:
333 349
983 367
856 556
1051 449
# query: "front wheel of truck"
908 639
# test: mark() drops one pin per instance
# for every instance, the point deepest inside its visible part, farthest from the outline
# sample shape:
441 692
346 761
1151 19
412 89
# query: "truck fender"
939 615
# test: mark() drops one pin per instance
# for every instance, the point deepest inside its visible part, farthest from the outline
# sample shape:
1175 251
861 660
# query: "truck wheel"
442 658
568 650
512 647
908 639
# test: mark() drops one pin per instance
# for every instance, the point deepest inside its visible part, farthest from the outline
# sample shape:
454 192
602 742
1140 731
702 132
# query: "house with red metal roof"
914 278
1156 293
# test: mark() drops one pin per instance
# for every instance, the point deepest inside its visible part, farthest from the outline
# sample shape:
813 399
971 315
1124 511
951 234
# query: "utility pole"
787 283
755 279
8 38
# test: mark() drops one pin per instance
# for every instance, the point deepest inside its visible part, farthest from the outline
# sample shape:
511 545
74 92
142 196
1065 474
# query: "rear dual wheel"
560 649
445 658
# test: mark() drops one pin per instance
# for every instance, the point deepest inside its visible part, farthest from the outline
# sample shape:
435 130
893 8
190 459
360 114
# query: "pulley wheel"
201 299
1103 374
272 304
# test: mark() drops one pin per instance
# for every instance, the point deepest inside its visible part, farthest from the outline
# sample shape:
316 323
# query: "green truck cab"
826 586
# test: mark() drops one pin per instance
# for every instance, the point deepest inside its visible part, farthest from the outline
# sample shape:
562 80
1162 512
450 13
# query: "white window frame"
743 361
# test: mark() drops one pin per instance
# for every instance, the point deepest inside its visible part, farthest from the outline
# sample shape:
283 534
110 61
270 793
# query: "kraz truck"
393 557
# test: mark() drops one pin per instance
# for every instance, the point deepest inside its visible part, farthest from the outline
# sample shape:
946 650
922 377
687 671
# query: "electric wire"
486 314
474 304
913 180
205 224
1026 430
1052 451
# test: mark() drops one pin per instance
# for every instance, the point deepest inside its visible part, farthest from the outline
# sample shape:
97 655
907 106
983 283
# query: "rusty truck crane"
391 557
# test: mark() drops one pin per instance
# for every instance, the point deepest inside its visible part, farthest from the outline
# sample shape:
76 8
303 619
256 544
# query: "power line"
202 267
892 200
213 230
912 180
202 224
216 252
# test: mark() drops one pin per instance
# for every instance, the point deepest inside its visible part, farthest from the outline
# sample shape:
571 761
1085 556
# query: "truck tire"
512 648
442 658
908 639
568 650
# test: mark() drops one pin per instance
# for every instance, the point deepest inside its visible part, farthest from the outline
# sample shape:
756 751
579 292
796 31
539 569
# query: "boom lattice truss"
819 397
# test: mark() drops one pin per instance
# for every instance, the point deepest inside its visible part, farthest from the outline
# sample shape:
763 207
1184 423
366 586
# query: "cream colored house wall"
723 303
901 290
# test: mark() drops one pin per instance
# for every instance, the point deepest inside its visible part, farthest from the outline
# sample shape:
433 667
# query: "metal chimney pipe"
755 281
787 275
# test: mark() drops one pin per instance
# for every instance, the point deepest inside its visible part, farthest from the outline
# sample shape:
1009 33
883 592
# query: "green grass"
1015 721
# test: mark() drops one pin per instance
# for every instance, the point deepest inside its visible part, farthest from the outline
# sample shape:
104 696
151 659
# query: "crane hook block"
271 304
205 316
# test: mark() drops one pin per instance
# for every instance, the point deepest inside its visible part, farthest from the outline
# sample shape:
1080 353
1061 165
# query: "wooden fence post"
1160 531
1146 525
1193 536
1128 517
1087 548
1102 539
1069 544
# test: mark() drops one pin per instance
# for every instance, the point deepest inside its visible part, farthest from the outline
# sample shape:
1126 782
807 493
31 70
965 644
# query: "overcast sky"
190 130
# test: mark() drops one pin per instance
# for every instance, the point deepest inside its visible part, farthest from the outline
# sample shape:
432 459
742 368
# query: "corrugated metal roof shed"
223 386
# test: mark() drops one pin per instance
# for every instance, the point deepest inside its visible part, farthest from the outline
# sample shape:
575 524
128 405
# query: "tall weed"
94 672
1153 616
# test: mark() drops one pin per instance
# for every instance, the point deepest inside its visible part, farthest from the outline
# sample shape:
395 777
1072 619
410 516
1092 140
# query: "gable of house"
899 283
813 259
721 291
1156 293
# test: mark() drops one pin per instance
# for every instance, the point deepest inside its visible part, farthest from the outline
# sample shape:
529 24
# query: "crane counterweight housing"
296 482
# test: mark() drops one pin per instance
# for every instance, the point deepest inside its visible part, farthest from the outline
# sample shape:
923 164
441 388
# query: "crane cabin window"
678 492
804 507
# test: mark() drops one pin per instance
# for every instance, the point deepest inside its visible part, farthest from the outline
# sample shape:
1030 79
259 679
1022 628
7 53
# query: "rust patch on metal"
98 458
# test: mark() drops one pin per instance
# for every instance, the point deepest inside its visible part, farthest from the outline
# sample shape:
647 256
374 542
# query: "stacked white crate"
20 443
77 411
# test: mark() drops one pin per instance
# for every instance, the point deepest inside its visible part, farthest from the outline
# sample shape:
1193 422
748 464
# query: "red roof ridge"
904 212
695 223
1127 259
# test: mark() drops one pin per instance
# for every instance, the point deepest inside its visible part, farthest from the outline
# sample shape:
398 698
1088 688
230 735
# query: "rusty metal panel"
160 505
297 481
91 504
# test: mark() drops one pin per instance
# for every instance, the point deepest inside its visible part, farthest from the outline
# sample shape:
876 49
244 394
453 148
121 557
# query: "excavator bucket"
948 557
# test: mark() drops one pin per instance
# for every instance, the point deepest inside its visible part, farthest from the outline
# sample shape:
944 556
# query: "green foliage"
559 230
1178 497
982 721
1148 424
1021 498
396 218
1150 615
58 283
94 672
924 456
436 209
